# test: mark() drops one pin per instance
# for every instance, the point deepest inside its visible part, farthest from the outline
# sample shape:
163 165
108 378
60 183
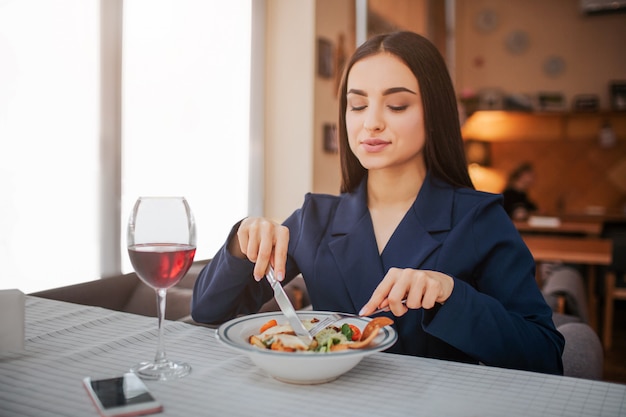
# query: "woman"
407 225
516 201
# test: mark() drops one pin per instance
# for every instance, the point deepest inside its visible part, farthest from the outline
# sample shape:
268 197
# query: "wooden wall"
575 173
335 24
591 48
572 177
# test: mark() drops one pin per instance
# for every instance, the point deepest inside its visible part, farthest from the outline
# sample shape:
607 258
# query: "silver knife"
287 308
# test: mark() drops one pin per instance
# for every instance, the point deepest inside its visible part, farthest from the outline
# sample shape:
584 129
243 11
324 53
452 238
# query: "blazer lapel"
353 244
415 237
354 248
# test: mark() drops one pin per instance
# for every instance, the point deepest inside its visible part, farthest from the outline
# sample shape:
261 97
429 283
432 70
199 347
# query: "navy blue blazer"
495 315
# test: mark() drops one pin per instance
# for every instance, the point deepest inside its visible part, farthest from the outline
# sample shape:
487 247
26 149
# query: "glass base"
161 371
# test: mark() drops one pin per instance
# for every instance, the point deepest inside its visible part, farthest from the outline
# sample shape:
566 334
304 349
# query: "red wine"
161 265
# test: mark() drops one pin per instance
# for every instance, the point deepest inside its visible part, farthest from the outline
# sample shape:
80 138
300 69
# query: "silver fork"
335 317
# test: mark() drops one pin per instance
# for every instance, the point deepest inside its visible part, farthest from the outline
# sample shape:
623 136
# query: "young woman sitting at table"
408 224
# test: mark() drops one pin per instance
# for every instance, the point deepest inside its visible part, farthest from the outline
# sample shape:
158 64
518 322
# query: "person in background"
407 225
516 201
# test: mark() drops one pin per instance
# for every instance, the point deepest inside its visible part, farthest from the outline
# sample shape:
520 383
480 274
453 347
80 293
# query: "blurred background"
233 104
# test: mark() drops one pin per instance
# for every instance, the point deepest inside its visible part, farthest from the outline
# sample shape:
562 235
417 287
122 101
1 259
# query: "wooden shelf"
500 125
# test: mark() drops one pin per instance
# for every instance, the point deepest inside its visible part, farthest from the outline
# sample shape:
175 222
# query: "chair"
564 290
129 294
615 285
583 356
560 319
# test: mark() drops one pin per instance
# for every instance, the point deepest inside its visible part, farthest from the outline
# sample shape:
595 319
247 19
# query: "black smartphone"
122 396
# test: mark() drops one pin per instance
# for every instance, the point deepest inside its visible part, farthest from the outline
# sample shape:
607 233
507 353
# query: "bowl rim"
388 336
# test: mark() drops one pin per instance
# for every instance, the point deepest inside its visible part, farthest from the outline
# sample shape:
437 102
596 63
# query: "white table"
66 342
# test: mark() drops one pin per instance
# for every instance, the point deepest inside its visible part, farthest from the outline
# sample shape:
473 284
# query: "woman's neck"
393 188
389 197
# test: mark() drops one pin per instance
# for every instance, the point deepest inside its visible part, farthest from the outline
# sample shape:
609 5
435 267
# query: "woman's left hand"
420 288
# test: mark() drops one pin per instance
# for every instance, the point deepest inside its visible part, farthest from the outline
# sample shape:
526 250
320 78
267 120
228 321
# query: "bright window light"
185 110
185 128
48 143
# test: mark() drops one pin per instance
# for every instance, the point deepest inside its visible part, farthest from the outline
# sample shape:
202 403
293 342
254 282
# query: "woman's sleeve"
500 317
225 288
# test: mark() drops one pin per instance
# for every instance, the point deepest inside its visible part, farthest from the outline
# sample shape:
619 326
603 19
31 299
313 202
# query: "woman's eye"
398 108
357 108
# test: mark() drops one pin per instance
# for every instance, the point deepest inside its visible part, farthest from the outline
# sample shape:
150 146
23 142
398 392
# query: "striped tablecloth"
66 342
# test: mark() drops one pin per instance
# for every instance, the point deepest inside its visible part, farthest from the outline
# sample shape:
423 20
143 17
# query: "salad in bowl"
270 343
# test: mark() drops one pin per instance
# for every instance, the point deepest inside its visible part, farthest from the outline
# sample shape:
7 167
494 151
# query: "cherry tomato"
356 332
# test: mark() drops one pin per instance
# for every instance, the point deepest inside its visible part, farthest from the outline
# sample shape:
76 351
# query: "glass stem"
160 354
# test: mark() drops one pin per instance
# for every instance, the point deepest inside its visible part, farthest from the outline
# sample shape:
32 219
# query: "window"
185 127
48 143
185 110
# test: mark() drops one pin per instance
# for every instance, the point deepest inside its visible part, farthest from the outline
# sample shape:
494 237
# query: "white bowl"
300 367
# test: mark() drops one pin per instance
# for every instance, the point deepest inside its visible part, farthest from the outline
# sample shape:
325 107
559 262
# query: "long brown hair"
444 152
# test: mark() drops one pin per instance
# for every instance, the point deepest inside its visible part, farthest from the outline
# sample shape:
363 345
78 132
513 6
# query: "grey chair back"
583 356
568 283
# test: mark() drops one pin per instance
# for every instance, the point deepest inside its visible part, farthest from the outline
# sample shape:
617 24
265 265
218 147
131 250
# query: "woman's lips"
374 145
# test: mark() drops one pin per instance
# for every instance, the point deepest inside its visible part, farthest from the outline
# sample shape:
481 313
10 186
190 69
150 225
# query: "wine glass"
161 247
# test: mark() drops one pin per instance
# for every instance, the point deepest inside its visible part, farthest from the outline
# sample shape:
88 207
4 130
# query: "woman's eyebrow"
387 92
397 90
357 92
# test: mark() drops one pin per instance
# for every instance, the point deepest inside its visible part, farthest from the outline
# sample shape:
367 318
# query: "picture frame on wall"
325 61
329 132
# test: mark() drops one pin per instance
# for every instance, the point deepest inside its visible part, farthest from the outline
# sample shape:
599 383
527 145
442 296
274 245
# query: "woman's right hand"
263 242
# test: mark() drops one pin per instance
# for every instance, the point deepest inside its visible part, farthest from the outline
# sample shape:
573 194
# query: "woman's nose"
373 120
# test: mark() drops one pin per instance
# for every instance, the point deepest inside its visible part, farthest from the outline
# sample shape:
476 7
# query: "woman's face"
384 117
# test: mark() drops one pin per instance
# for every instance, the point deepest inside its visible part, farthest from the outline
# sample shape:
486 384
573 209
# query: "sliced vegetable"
271 323
356 333
347 331
351 332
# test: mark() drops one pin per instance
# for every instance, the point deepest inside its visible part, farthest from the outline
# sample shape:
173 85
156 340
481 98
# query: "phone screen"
119 395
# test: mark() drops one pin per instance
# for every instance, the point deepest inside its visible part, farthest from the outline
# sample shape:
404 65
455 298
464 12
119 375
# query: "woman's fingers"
431 293
401 279
281 244
420 289
380 296
265 243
